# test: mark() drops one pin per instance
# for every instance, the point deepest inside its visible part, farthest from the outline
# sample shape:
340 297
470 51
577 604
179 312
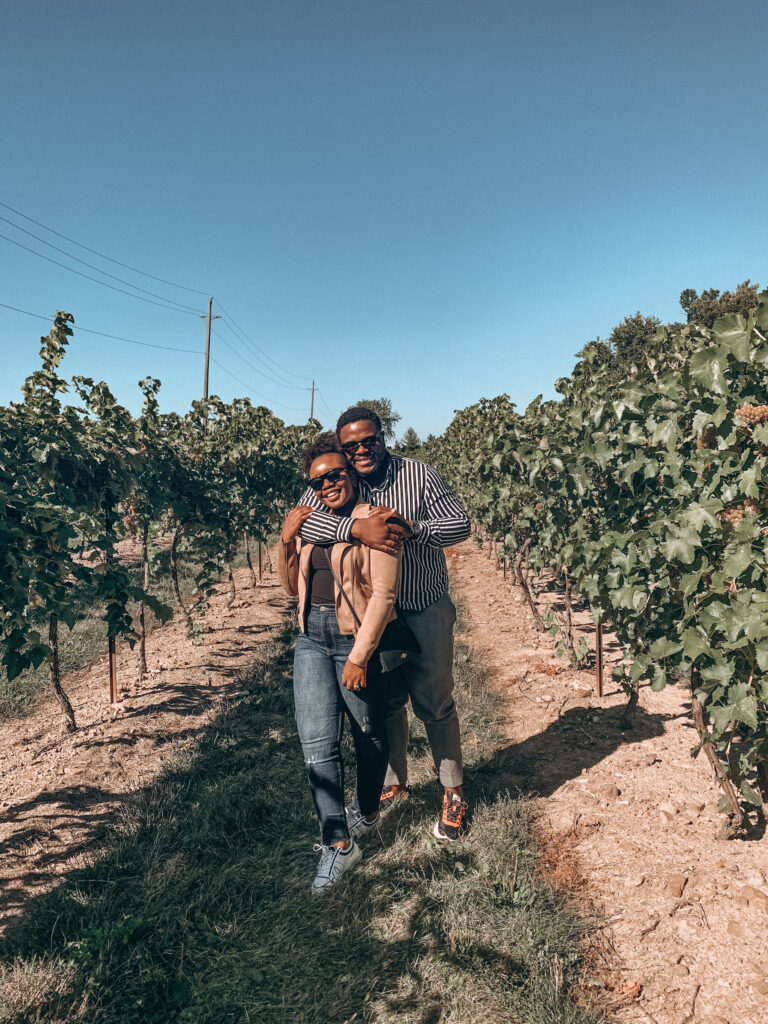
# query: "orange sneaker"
450 824
391 795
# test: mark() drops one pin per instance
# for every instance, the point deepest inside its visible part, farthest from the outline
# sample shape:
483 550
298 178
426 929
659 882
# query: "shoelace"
327 858
454 812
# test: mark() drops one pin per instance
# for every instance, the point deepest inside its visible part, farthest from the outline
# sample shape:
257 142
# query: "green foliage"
704 309
409 444
653 492
75 480
632 338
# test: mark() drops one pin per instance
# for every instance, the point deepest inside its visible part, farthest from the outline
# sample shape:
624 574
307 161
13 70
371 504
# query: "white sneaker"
333 863
357 825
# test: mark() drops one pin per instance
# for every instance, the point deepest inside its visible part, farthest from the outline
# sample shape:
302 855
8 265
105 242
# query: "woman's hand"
293 522
353 676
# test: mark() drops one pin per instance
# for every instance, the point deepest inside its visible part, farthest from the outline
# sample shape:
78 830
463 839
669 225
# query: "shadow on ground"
201 910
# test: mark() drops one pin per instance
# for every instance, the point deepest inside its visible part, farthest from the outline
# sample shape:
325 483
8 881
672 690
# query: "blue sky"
431 201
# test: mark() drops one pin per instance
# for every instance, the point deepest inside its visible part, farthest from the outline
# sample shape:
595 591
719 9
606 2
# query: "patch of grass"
201 913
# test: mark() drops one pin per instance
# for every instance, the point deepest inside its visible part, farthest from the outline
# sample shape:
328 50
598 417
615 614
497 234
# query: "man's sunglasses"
369 443
332 476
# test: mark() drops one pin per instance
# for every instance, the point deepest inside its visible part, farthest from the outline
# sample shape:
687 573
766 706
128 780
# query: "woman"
336 670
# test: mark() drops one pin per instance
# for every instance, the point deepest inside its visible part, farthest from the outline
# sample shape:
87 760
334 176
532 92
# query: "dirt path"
686 913
60 791
631 817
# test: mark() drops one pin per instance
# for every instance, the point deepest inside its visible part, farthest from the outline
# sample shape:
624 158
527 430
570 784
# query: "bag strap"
337 581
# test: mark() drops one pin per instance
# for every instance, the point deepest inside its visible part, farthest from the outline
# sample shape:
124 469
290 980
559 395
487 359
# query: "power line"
322 399
101 334
146 344
246 342
167 348
95 279
283 369
245 384
98 270
253 366
101 254
276 378
38 316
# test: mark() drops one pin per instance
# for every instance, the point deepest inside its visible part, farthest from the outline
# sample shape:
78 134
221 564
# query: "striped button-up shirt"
420 495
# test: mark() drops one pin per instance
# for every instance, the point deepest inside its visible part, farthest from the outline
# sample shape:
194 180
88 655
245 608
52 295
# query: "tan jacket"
370 580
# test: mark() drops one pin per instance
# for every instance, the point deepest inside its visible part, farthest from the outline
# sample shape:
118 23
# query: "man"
434 520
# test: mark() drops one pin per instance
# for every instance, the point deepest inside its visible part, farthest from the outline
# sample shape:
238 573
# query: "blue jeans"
321 704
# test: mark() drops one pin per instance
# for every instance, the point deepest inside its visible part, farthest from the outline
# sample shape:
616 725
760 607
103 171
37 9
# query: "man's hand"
353 676
375 532
405 525
293 522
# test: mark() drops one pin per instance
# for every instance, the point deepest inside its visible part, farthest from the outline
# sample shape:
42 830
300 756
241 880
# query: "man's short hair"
354 415
324 444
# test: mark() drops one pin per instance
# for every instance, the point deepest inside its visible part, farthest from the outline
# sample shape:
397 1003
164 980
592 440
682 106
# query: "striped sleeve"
443 521
322 528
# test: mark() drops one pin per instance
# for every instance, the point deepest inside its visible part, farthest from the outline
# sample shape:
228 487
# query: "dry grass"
200 913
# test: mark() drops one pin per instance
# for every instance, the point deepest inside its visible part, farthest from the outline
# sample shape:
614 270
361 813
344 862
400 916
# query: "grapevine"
75 480
651 493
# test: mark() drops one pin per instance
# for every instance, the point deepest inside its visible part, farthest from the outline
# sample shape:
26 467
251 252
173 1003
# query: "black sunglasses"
332 476
369 443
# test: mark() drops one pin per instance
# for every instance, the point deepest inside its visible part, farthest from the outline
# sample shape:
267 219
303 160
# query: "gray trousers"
427 678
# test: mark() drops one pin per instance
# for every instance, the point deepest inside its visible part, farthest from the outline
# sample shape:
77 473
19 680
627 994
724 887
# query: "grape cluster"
733 514
753 414
131 518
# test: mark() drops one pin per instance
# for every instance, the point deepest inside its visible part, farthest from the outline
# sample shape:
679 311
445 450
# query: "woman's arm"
287 555
385 580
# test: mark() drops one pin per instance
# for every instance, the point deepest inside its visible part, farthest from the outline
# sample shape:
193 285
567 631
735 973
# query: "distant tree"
409 443
631 339
704 309
383 409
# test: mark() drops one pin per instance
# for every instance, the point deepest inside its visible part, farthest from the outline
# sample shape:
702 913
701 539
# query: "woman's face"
337 487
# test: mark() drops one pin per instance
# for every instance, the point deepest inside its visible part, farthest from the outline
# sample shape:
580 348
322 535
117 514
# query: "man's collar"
386 480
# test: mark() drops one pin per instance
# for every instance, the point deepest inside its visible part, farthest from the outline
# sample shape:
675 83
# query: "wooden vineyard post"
260 563
599 658
505 566
112 670
111 642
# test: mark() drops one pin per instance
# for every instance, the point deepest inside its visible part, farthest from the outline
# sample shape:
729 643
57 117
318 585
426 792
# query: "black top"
320 579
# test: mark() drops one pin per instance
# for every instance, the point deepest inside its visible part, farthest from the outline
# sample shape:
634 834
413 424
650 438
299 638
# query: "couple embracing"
365 549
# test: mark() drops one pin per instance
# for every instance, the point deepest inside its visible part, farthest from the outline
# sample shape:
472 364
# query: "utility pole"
207 350
312 403
208 346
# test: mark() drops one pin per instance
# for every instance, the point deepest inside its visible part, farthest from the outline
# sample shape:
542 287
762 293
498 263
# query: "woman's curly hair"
324 444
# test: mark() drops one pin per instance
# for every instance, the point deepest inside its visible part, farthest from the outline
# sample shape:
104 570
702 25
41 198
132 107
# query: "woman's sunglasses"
332 476
369 443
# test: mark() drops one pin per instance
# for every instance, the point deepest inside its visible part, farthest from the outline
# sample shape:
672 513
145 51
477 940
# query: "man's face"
363 446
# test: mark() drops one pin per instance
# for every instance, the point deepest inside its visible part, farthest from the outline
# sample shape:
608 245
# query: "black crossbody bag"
398 640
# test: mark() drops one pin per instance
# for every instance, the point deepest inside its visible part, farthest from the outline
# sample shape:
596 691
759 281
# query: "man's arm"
323 529
444 522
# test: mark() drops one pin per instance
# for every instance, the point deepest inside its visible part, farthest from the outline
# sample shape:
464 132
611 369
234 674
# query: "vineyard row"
647 497
75 480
